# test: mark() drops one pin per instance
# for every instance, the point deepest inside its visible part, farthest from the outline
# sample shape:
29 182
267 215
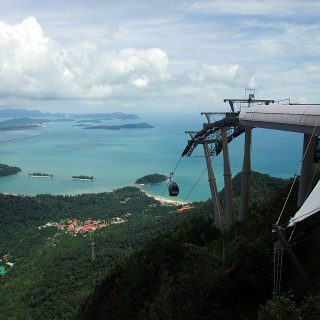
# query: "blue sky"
156 55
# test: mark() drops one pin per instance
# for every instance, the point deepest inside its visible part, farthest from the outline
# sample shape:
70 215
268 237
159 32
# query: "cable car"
173 189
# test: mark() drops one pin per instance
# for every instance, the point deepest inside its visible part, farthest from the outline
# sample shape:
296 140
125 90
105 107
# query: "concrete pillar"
230 219
307 168
213 188
245 177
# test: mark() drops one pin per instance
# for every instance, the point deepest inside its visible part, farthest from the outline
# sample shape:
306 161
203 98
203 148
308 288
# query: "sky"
156 56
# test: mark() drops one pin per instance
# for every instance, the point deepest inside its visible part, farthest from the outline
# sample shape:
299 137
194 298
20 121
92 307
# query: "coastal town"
77 227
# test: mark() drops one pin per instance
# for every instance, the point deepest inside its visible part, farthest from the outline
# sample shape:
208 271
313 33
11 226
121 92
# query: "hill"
152 178
48 239
109 116
194 272
6 170
24 113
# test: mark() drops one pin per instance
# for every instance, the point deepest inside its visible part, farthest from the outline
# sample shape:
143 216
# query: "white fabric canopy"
310 206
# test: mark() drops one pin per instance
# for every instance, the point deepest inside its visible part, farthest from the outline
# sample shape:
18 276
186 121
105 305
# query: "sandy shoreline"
32 176
164 201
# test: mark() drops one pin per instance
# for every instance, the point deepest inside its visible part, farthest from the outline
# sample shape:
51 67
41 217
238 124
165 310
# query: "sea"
117 158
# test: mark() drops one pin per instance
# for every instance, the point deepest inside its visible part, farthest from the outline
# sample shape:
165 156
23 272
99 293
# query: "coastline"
31 176
162 200
16 139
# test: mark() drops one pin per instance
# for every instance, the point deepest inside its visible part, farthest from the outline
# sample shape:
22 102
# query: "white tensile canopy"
310 206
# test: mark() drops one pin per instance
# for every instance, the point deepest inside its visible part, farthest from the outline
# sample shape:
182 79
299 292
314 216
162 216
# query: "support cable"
297 242
294 228
195 184
280 272
277 272
314 174
285 225
274 274
296 174
171 174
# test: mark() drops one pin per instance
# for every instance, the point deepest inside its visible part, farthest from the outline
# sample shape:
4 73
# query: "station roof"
293 117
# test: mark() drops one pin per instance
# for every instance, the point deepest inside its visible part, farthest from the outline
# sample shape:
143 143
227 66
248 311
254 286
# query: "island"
21 124
82 177
152 178
81 125
40 175
27 123
90 120
123 126
108 116
6 170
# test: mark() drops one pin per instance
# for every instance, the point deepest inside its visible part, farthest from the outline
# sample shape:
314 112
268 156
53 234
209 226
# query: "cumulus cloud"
140 82
34 66
231 75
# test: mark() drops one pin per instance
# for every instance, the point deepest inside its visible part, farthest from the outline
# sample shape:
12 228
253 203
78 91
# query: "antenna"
249 93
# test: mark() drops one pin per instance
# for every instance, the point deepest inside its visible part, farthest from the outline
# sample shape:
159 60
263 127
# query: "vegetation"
82 177
6 170
185 275
53 272
285 307
152 178
39 174
157 264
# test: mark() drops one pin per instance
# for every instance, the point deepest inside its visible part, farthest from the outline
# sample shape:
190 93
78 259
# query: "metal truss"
211 132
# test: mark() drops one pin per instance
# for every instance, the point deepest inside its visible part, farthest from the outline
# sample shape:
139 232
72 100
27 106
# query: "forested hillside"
53 272
195 272
150 260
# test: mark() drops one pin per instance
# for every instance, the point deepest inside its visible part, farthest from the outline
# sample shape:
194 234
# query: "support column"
306 168
245 177
213 188
230 219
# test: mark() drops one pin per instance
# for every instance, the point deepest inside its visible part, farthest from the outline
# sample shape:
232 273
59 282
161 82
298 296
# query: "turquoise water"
118 158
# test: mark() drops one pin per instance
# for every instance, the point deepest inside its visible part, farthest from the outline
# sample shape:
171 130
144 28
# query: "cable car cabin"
173 189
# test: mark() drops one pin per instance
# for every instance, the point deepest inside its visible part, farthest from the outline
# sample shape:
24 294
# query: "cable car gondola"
173 189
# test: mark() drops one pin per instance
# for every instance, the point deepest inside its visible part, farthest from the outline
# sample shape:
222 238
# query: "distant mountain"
23 113
108 116
123 126
21 124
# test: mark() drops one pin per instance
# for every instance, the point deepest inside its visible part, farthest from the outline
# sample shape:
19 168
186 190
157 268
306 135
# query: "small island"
6 170
40 175
85 178
152 178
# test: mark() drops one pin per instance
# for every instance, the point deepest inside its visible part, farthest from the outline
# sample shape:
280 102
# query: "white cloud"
231 75
36 67
140 82
255 7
